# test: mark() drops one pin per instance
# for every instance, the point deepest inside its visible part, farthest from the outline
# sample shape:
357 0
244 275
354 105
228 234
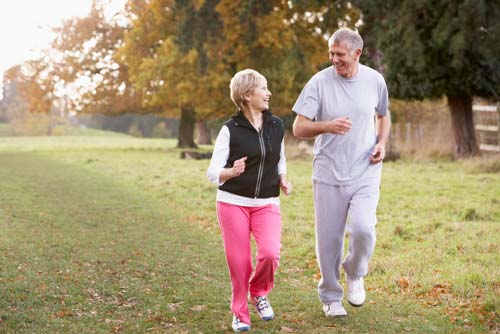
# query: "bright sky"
24 25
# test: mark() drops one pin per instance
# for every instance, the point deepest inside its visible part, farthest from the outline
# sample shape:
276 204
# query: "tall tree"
87 64
434 48
12 101
257 34
182 53
284 40
36 82
312 23
29 98
165 49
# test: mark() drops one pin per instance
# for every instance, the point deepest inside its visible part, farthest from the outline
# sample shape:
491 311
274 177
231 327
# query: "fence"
424 137
487 123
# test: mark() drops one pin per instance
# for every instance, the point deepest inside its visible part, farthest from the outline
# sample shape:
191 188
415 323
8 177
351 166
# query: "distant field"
70 131
4 130
114 234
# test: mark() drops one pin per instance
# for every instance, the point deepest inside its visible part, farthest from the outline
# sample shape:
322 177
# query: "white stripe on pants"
332 206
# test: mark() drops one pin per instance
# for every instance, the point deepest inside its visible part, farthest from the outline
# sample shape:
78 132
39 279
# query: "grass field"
119 235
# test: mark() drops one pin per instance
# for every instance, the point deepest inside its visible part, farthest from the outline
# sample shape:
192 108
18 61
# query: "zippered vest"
262 149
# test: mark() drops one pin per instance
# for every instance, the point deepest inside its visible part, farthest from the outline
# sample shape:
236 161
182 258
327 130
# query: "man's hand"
378 153
340 126
304 127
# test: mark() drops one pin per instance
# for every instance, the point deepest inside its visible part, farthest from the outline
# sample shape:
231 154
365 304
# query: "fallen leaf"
287 329
198 308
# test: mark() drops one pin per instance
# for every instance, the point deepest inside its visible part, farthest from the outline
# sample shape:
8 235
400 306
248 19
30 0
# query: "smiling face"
258 99
343 59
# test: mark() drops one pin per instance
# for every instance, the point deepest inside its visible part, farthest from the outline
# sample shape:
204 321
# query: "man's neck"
354 72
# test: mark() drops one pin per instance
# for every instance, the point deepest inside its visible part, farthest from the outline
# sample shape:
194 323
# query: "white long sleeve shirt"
219 160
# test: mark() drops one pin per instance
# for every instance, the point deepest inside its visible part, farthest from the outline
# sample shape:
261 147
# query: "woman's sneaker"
239 326
334 309
263 307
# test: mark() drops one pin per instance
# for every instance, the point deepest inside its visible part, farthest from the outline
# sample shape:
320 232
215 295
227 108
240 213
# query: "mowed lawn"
119 235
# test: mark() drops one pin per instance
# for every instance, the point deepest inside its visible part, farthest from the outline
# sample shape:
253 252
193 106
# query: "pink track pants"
236 224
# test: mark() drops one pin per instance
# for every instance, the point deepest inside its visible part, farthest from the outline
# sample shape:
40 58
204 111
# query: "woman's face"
258 100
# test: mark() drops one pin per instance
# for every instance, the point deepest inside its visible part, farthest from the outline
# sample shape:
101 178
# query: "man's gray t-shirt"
345 159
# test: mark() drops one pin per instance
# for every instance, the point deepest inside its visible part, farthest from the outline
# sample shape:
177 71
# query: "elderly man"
344 106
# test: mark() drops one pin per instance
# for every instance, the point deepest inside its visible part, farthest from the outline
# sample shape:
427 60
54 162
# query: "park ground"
115 234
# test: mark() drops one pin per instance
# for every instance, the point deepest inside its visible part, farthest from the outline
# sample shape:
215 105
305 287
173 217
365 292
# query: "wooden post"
408 135
488 126
498 125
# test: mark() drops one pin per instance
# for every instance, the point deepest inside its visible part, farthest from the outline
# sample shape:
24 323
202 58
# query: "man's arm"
383 130
303 127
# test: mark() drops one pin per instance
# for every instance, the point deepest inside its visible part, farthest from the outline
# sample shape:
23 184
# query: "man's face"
343 59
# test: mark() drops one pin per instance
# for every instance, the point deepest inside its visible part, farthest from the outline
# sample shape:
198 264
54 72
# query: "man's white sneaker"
356 294
239 326
334 309
263 307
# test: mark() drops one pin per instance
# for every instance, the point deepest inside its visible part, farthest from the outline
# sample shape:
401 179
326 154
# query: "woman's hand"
285 186
238 167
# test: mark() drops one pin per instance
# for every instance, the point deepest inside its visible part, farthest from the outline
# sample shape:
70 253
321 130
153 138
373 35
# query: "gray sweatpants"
332 206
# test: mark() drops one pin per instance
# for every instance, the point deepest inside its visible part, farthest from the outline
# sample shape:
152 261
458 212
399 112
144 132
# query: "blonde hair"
243 83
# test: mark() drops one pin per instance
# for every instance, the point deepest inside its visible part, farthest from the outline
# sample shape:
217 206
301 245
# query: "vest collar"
240 119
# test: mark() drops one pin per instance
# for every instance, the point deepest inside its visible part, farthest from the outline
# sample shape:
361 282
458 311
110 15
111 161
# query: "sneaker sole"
246 329
267 318
355 305
336 316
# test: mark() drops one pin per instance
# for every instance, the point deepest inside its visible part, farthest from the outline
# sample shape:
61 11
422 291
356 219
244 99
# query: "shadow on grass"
83 252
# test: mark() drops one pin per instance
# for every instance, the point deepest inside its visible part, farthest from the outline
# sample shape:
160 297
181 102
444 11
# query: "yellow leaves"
198 4
275 34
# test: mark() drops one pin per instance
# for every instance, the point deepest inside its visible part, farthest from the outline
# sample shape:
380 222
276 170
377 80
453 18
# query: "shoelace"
358 285
262 303
237 321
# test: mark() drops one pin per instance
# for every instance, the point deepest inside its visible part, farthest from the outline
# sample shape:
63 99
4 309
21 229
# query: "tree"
182 53
29 103
86 63
176 57
10 95
433 48
284 40
165 49
12 102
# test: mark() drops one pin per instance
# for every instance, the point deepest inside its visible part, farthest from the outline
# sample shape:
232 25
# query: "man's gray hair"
348 36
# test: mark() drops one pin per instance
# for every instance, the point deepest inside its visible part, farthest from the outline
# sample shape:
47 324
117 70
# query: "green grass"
119 235
4 130
89 132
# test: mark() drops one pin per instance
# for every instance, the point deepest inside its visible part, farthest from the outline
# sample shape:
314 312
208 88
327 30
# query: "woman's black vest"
262 149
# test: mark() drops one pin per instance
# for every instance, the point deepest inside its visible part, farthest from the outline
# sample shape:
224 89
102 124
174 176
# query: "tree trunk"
204 135
462 123
186 128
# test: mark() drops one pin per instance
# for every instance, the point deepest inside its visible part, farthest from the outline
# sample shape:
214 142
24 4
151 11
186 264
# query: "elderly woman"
249 166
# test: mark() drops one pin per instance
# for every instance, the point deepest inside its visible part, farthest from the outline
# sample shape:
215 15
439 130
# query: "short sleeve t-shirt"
345 159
